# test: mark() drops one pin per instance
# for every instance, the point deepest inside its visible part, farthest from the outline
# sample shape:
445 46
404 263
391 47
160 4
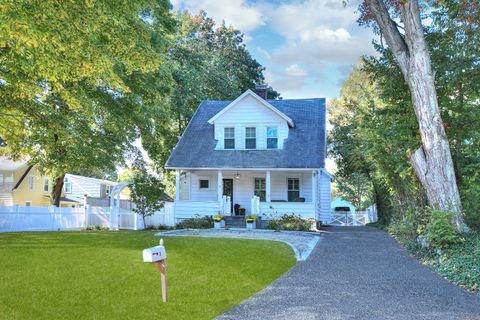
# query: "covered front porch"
246 191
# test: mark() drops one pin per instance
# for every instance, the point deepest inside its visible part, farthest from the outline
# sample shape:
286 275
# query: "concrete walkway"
302 243
359 273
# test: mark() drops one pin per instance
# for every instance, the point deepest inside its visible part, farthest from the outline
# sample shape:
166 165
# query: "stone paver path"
359 273
302 243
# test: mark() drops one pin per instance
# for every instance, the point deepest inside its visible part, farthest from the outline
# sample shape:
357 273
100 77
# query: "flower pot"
251 225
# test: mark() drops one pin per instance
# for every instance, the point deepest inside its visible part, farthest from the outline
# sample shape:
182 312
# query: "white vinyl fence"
359 218
18 218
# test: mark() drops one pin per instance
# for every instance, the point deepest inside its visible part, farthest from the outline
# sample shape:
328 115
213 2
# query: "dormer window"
229 138
272 138
250 138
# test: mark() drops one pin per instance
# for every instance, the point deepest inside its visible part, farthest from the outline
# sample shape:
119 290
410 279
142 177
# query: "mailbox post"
158 256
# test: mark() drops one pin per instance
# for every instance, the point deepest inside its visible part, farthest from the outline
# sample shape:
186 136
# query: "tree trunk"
57 190
432 162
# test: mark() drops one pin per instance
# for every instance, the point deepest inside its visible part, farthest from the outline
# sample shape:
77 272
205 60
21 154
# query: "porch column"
314 188
267 187
177 185
220 186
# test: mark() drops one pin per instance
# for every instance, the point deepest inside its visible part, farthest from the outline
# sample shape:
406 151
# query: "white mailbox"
154 254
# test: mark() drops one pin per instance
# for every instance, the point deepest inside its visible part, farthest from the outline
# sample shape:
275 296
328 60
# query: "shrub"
252 218
97 227
290 222
440 231
158 227
403 230
218 218
197 222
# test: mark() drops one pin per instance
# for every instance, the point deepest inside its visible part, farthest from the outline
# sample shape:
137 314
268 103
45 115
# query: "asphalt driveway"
359 273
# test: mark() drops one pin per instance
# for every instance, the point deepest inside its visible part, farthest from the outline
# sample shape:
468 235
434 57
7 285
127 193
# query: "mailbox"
158 256
154 254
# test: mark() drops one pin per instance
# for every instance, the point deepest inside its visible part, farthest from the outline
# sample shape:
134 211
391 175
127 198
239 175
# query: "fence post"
135 216
85 212
15 222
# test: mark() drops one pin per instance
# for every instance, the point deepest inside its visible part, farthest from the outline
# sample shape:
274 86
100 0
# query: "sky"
307 47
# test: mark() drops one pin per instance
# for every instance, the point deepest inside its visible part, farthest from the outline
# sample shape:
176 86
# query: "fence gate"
358 218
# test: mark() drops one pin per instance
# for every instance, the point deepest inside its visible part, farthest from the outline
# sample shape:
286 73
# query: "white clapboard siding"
324 198
303 209
6 199
249 112
197 194
188 209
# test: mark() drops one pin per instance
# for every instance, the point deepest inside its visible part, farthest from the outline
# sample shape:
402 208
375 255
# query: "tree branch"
393 37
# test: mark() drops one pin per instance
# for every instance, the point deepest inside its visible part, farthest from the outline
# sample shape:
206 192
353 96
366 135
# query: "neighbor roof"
305 146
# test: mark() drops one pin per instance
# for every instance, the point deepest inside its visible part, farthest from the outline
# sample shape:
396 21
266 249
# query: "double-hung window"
31 183
250 138
260 188
229 138
293 185
272 138
46 184
67 185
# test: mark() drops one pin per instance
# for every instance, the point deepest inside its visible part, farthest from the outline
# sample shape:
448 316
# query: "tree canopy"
70 73
374 124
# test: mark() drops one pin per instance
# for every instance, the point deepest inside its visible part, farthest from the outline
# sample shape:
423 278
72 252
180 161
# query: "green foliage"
252 218
197 222
97 227
461 263
146 193
291 222
375 128
78 80
205 276
207 62
440 231
218 218
403 230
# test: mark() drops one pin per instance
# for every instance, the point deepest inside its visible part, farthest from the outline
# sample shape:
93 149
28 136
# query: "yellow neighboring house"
22 184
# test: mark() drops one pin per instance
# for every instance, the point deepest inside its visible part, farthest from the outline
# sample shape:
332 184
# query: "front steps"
235 222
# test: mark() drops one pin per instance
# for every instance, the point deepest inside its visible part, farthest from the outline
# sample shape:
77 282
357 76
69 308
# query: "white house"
235 151
77 187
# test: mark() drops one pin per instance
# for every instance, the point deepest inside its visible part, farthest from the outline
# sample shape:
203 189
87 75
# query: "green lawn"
100 275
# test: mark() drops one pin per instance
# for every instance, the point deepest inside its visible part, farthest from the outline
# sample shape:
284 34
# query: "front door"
228 191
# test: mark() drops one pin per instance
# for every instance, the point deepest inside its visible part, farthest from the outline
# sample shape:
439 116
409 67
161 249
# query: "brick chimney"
261 90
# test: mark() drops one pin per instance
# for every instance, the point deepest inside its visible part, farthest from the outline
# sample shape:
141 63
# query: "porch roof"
304 148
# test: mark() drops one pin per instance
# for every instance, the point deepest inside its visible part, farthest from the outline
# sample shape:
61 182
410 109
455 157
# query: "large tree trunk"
57 190
432 161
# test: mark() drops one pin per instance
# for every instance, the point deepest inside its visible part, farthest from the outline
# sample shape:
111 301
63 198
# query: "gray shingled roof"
304 148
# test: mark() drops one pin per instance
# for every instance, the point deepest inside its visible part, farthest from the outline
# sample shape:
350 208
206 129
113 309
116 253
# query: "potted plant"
252 221
219 223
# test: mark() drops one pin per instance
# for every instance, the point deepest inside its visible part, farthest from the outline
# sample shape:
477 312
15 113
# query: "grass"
100 275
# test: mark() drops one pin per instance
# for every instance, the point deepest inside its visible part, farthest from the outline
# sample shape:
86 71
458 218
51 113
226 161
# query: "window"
293 185
28 203
204 184
250 138
31 183
46 184
229 138
108 189
67 186
260 188
272 138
